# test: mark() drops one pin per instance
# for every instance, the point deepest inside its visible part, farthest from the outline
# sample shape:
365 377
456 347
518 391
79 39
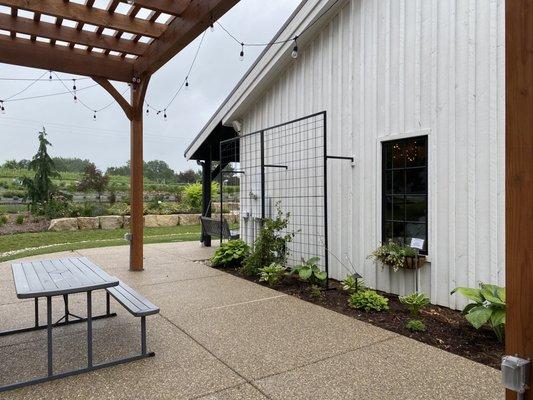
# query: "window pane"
398 208
388 156
416 231
415 152
398 159
416 181
388 183
398 181
415 208
398 232
388 208
387 231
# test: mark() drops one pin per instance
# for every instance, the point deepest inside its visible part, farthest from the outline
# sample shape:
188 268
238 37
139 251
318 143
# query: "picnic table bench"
65 276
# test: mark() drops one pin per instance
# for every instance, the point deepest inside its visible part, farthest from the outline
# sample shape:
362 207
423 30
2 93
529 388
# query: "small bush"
3 220
310 272
414 302
230 253
19 220
272 274
315 292
352 285
193 195
368 300
415 325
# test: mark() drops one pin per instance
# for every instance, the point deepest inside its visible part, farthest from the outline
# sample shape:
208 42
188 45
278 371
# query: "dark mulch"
27 227
446 329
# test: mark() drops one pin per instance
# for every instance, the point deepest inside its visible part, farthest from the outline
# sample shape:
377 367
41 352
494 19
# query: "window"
405 190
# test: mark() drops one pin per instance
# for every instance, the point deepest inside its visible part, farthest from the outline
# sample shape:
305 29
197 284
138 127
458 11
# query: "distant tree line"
155 170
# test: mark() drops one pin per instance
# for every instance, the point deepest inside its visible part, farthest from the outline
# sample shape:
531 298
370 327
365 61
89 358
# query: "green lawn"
29 244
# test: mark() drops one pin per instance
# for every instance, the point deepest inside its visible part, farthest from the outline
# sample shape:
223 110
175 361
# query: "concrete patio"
221 337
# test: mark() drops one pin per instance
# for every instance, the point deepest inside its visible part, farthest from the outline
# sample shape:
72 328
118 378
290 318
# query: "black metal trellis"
285 165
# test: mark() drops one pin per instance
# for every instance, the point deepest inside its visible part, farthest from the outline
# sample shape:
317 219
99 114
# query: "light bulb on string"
147 111
2 108
187 83
165 115
74 90
94 115
294 53
50 75
241 54
75 98
212 27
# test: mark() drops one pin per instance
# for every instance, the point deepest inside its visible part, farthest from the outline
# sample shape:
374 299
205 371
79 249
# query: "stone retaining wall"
118 221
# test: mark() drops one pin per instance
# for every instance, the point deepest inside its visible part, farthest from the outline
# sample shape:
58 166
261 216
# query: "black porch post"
206 197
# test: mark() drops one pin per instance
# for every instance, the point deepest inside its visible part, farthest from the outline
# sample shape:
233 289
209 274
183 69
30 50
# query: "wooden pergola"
125 41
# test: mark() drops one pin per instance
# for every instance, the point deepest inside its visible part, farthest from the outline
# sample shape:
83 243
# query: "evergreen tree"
40 187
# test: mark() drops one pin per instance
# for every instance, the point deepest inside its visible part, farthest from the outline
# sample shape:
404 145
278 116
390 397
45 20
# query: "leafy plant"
93 179
316 292
193 195
368 300
272 274
488 307
230 253
415 325
3 220
309 271
351 284
19 220
392 254
414 302
271 244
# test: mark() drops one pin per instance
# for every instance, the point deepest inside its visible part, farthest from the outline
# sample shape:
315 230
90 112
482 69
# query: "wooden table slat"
43 275
33 280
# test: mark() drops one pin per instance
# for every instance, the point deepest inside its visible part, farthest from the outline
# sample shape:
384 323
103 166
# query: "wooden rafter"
172 7
71 35
89 15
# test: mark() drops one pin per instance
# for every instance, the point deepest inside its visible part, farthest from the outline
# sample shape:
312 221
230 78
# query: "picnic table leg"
89 330
49 333
143 335
65 300
36 312
107 303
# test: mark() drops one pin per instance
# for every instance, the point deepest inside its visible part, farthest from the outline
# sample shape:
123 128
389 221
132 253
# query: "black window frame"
385 171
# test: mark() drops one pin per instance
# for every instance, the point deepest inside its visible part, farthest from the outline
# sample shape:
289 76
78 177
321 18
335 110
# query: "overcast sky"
74 133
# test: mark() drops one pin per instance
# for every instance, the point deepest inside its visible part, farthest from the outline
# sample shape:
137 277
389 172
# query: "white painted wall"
386 69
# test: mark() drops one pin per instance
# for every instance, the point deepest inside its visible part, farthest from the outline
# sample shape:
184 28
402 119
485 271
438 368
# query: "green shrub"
392 254
19 220
368 300
119 209
272 274
316 292
488 307
351 284
230 253
309 271
415 325
3 220
192 195
270 245
414 302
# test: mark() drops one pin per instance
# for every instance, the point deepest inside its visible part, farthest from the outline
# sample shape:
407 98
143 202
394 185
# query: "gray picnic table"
63 277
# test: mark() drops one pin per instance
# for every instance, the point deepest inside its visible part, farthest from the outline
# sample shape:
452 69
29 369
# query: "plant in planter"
414 302
368 300
230 253
272 274
415 325
397 256
351 284
488 307
309 271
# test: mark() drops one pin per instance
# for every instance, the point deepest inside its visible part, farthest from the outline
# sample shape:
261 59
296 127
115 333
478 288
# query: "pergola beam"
71 35
173 7
63 59
182 31
89 15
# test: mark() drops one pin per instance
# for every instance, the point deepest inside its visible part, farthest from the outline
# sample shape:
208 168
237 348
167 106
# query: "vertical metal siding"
385 69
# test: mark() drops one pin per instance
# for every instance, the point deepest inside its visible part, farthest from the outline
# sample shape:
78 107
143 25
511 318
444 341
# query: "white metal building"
386 70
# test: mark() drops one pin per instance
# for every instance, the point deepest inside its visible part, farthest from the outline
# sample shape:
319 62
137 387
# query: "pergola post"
138 92
206 196
519 180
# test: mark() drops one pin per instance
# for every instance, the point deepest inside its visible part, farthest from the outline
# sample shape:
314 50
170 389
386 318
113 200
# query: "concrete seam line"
245 302
180 280
215 356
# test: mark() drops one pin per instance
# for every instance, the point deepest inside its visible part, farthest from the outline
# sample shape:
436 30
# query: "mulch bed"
27 227
446 329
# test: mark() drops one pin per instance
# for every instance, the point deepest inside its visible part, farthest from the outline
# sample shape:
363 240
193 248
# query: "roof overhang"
311 16
209 148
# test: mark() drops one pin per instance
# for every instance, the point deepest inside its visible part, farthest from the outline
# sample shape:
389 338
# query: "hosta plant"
230 253
309 271
415 325
368 300
414 302
351 284
272 274
488 307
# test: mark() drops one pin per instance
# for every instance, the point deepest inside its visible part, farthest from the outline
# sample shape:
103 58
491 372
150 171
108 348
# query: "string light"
147 111
50 75
2 108
241 54
94 115
186 83
74 90
165 114
294 53
212 27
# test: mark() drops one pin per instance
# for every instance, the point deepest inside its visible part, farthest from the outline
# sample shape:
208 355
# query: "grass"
30 244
